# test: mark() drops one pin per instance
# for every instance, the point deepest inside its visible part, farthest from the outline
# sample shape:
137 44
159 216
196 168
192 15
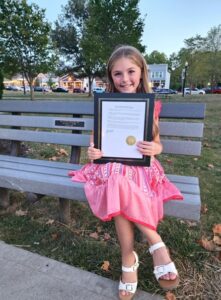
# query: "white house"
159 75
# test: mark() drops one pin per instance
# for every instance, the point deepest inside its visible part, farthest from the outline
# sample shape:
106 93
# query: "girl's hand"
94 153
149 148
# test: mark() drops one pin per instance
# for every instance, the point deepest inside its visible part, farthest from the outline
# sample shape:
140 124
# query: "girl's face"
126 75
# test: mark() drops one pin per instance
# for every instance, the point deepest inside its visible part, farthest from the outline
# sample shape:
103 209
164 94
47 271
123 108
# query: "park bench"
70 123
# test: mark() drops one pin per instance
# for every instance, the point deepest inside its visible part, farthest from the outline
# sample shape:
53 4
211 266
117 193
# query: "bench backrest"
71 122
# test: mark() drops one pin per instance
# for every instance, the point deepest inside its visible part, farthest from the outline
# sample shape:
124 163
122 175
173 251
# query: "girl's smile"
126 75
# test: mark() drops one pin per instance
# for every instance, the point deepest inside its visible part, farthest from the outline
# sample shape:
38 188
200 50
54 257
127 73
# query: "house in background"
70 82
159 75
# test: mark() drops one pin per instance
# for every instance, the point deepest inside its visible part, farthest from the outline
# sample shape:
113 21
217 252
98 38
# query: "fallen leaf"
191 223
169 161
107 236
204 209
217 240
170 296
217 257
21 213
105 266
62 152
54 236
217 229
94 235
53 158
99 229
210 166
50 222
209 245
206 145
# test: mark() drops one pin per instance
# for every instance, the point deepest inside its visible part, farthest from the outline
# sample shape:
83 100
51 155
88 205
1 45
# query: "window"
157 74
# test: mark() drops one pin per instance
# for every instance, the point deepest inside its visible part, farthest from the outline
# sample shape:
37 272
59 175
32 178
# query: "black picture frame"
132 99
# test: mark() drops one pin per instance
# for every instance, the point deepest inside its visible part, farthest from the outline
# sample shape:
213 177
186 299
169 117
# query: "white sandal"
162 270
132 286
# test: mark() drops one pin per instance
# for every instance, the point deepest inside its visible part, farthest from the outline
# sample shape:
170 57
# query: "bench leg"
65 212
4 198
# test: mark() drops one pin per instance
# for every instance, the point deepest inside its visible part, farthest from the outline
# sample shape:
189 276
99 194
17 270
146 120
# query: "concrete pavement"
29 276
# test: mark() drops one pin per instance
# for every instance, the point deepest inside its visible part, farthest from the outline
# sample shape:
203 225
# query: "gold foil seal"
131 140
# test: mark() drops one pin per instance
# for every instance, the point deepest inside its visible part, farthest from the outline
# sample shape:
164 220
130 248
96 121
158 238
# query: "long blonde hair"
137 58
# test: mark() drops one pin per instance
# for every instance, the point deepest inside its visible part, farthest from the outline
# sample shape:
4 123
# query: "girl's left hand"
149 148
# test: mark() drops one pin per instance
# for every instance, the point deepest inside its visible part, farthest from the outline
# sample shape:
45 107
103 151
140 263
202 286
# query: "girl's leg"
160 256
125 233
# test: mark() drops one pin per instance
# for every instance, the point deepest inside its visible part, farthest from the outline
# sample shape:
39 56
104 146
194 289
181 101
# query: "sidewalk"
29 276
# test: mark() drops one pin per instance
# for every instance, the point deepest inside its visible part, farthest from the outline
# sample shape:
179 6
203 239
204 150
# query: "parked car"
78 90
13 88
60 90
41 89
207 90
98 90
27 88
193 91
165 91
216 90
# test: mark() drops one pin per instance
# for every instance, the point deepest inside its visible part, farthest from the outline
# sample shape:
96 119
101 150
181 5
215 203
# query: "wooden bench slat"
37 162
183 129
47 122
169 146
188 209
183 110
169 110
48 107
183 179
70 166
63 187
46 170
181 147
45 137
166 128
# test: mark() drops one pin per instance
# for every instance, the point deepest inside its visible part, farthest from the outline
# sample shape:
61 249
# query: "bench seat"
51 178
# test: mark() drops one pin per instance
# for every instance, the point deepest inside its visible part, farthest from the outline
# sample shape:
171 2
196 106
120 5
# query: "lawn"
87 242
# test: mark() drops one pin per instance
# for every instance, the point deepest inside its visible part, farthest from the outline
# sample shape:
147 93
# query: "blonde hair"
137 58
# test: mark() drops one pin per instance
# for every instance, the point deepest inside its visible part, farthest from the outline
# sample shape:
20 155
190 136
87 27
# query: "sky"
167 23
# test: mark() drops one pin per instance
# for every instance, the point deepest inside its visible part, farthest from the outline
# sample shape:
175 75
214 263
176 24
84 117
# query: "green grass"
200 271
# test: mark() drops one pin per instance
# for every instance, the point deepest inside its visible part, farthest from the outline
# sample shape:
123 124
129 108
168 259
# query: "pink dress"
135 192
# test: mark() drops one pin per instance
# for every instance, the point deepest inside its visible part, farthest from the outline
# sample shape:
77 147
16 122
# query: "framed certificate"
120 121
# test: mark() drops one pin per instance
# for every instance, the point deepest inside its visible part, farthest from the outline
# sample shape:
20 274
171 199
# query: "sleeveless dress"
135 192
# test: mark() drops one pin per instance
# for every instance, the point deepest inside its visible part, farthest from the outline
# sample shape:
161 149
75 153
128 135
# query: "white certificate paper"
122 127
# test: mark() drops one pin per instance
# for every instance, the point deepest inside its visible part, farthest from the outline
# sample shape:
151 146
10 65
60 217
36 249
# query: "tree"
96 28
156 57
1 84
24 38
213 58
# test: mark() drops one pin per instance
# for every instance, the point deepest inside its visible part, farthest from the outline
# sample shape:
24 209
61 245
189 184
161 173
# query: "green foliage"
25 39
88 31
1 84
156 57
204 59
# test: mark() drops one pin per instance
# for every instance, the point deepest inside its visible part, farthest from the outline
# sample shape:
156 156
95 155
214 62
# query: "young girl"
132 195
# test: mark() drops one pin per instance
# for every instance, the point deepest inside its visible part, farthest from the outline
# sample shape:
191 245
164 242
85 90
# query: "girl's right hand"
94 153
